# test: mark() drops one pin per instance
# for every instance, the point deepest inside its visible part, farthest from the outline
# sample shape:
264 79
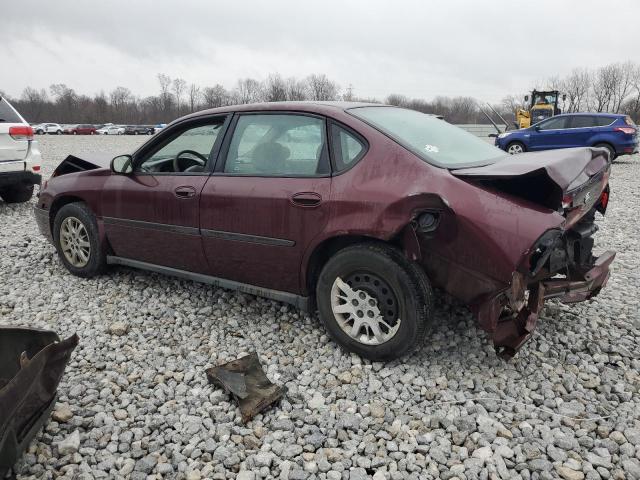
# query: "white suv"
19 156
48 128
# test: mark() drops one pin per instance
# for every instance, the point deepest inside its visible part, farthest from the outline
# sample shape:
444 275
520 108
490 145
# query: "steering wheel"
199 160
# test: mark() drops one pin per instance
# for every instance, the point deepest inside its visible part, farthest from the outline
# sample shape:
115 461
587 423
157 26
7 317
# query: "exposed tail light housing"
21 132
36 168
604 198
625 130
567 201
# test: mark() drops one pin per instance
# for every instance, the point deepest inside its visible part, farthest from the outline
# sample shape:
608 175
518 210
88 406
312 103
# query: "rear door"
268 199
582 128
550 134
152 215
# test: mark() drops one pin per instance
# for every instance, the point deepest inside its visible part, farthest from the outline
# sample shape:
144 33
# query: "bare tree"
275 88
216 96
397 100
165 94
179 86
194 96
576 87
296 89
623 79
248 90
321 88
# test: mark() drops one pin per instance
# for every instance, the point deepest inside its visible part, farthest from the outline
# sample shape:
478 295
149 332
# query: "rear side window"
278 145
347 148
7 113
583 121
603 121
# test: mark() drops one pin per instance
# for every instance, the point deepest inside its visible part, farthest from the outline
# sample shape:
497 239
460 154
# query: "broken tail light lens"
604 199
22 132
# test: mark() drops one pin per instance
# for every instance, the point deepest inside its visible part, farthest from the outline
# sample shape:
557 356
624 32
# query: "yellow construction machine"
541 105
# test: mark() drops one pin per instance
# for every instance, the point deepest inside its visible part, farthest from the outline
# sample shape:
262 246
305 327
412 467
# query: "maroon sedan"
82 129
357 210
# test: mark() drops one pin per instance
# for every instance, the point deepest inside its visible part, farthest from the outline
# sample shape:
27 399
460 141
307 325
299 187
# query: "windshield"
434 140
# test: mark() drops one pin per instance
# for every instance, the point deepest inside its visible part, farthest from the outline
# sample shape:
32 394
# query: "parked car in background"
19 156
50 128
354 209
159 127
138 130
617 133
82 129
111 130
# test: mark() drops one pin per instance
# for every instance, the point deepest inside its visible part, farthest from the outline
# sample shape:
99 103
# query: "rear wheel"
610 149
17 193
516 147
59 132
374 302
75 234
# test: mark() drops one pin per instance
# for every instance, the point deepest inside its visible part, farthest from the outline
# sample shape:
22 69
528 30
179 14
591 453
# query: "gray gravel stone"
141 406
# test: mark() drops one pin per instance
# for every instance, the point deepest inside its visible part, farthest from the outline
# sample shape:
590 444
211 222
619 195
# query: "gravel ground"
135 402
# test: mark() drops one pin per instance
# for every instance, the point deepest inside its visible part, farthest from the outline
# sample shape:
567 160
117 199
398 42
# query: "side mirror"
122 164
492 135
536 128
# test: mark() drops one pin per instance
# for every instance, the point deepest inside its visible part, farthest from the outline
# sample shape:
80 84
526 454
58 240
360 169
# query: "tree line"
612 88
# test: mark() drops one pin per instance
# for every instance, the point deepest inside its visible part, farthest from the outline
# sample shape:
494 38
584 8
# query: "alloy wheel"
365 308
74 242
515 149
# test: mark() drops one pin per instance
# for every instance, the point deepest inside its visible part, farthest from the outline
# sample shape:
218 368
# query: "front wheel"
17 194
516 147
76 237
374 302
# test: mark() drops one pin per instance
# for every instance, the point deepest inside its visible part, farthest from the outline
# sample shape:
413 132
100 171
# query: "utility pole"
349 95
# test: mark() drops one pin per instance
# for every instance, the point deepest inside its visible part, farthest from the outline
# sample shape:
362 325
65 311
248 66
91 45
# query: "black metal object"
31 365
247 382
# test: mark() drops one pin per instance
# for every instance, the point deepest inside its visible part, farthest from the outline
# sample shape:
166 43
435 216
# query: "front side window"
553 123
278 145
347 148
186 152
432 139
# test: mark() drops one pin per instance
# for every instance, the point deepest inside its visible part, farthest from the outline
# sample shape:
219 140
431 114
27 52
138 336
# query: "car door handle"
306 199
185 192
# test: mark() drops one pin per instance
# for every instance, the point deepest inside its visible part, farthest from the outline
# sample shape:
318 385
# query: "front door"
152 215
550 134
267 200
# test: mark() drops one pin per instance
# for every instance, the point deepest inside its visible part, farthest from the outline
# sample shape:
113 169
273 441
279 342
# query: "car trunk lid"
562 180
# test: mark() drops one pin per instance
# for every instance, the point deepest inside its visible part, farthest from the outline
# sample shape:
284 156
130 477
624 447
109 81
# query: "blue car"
617 133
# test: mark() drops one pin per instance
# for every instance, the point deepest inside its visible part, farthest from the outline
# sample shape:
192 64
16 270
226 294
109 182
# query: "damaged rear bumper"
511 316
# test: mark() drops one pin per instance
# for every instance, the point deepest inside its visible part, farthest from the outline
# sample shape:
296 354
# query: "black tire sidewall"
17 193
97 258
405 289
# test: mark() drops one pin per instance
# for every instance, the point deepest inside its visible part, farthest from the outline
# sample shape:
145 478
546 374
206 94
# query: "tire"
135 132
402 287
59 132
17 193
610 149
96 260
516 147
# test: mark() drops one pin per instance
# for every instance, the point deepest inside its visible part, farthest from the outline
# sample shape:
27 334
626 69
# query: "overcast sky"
485 49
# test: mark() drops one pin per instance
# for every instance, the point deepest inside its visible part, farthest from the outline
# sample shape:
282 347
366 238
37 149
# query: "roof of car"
595 114
304 106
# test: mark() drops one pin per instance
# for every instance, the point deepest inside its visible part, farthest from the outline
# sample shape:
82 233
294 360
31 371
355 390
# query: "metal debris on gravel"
567 406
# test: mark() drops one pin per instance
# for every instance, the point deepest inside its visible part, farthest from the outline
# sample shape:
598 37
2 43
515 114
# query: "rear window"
7 113
434 140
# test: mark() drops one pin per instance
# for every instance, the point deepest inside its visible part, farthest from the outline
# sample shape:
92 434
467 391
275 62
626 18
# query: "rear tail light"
36 168
604 199
567 200
626 130
23 132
